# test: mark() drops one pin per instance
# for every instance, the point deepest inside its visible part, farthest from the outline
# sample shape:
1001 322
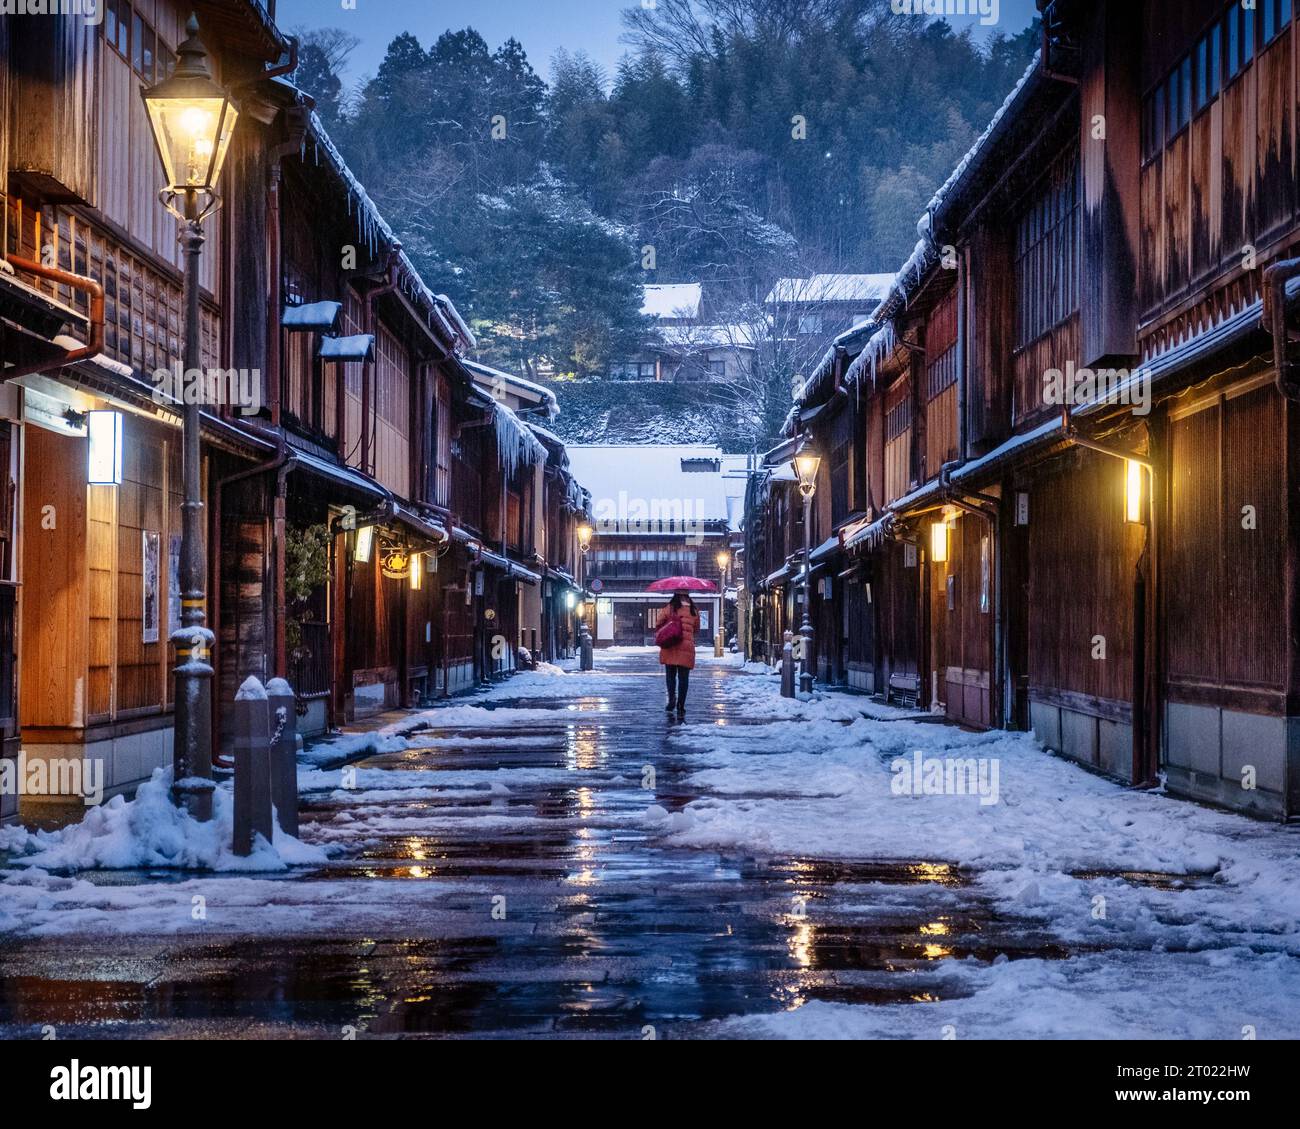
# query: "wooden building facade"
1073 418
351 469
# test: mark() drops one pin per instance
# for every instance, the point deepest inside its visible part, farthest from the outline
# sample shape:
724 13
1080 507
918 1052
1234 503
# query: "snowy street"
556 858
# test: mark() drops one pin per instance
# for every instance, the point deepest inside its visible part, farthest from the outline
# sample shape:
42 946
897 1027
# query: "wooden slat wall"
1050 351
1082 561
101 600
992 310
1275 195
54 596
941 410
392 409
898 449
1223 588
6 86
1224 184
897 591
961 633
56 92
353 374
140 507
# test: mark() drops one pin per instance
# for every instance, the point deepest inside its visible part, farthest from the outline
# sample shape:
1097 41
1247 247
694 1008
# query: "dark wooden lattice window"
1047 253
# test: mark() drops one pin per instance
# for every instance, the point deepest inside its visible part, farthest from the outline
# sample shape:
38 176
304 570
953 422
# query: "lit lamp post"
192 119
586 646
719 644
805 466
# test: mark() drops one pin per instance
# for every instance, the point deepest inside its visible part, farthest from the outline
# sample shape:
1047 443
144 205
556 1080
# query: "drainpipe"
94 347
368 378
1276 278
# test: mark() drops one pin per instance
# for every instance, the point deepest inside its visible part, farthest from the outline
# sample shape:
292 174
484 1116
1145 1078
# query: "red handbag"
669 633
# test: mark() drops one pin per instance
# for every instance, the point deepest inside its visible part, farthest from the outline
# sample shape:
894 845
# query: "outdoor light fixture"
1134 492
805 466
417 571
570 601
939 542
192 120
724 559
106 435
365 544
584 537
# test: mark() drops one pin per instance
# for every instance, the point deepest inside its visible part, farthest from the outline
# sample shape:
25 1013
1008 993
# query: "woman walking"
675 633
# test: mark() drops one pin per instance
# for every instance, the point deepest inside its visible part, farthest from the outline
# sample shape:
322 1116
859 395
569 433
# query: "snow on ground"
1168 919
151 831
1093 996
1049 844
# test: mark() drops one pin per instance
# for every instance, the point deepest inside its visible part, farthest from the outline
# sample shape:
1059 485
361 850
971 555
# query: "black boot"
671 706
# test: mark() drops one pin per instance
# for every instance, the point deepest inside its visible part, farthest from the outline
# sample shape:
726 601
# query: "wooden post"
283 717
252 766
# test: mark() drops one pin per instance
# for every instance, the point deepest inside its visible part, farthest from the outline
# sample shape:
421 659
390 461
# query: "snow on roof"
673 300
358 347
924 253
312 315
374 230
638 482
707 336
493 380
831 288
516 444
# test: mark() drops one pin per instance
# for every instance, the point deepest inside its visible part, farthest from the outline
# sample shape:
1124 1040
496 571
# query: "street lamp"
192 119
724 562
805 467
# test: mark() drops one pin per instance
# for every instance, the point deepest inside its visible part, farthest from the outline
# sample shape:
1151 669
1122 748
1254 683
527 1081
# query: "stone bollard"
787 667
252 766
284 754
717 644
587 650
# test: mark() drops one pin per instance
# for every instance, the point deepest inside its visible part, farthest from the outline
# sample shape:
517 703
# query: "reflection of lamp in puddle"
800 944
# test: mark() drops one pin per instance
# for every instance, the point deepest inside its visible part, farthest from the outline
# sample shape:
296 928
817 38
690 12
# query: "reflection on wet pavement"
559 914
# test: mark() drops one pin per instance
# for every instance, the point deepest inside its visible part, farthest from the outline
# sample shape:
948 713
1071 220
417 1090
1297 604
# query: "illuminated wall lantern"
585 533
939 542
1134 493
365 544
106 433
417 571
570 600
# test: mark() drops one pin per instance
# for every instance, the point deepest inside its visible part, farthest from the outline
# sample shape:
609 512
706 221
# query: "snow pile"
151 831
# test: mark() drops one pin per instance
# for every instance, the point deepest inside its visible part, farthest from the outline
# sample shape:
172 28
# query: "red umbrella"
689 583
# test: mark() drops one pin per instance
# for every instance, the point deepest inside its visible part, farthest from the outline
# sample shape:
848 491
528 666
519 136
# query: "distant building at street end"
657 512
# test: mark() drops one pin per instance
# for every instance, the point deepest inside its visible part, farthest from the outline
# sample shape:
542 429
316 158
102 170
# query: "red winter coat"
681 653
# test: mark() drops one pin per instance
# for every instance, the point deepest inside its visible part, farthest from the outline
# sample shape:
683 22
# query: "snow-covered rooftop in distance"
673 300
831 288
626 479
493 380
707 336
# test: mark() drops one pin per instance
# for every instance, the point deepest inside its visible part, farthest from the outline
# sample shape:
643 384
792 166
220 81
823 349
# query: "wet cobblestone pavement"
545 909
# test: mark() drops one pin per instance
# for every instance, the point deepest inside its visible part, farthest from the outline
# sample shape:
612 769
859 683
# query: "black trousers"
679 680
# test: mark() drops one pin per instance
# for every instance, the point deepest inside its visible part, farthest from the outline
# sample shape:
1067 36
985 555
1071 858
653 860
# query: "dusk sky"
543 26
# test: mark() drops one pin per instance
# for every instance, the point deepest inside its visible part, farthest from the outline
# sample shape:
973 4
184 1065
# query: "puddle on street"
604 929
